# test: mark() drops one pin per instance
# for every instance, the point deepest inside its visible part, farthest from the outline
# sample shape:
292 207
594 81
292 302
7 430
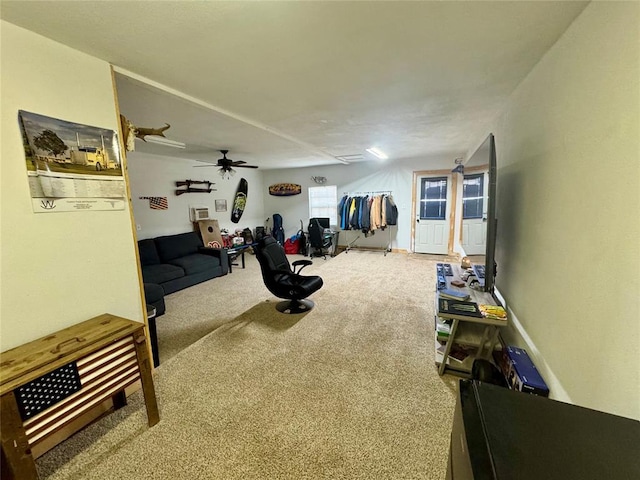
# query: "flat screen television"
484 159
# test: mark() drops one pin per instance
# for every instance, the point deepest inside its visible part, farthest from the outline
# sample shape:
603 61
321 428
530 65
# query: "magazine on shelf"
459 352
493 311
452 294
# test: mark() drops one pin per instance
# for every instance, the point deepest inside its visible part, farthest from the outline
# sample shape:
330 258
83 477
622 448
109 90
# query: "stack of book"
443 330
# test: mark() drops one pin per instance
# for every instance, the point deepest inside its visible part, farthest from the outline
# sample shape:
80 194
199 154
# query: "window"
472 196
323 202
433 198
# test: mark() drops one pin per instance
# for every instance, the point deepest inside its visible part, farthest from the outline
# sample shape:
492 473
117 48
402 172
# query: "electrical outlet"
138 227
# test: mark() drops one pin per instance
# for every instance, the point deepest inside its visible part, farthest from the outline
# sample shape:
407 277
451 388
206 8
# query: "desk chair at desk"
320 237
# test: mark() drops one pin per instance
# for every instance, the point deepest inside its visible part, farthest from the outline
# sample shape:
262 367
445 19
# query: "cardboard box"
520 372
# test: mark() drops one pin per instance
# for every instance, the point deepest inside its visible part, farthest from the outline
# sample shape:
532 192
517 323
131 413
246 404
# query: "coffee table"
238 251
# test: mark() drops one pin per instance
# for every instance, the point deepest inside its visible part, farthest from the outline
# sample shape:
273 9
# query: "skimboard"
239 201
285 189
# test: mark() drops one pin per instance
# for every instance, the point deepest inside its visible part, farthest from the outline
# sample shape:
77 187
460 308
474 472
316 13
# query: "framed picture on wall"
221 205
71 167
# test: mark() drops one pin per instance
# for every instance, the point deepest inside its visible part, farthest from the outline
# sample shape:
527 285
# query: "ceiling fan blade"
236 163
246 166
212 165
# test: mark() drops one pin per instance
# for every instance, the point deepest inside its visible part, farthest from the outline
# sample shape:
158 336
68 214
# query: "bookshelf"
474 335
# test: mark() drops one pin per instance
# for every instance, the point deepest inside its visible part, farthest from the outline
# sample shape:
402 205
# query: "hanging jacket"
353 211
342 211
391 211
365 216
376 209
383 212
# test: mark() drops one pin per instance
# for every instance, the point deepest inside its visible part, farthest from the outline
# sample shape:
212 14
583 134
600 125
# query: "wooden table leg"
15 447
153 336
153 416
447 349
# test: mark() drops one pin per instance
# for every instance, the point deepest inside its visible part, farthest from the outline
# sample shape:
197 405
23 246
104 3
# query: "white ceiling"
297 83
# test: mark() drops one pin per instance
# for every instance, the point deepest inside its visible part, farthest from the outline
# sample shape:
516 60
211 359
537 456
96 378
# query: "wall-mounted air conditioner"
199 213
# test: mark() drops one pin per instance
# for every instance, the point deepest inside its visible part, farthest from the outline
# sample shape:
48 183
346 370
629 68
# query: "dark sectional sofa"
179 261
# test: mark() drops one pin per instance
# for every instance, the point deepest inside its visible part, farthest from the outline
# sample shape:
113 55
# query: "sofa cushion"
161 273
176 246
148 252
196 263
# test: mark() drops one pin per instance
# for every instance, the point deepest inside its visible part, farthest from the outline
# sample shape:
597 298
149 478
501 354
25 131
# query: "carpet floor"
348 390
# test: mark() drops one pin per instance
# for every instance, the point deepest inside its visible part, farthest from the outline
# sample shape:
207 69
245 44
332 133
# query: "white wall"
395 176
569 210
156 176
58 269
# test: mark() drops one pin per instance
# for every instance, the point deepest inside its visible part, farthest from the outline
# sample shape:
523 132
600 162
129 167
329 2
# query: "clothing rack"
368 192
359 232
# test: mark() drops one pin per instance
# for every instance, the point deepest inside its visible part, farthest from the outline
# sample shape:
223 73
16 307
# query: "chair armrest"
221 253
301 264
294 278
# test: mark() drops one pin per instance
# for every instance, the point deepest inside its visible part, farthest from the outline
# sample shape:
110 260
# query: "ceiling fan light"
226 173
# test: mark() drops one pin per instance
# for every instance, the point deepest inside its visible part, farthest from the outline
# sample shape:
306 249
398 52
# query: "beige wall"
57 269
569 210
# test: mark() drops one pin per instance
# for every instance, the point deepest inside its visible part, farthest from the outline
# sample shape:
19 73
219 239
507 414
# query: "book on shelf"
452 294
443 329
459 352
458 309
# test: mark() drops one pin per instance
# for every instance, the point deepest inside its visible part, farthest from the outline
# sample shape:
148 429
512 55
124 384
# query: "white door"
432 215
474 213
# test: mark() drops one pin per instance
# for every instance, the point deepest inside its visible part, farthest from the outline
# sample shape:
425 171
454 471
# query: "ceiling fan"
225 164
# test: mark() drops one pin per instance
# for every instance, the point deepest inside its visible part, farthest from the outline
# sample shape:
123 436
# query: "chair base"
318 253
295 306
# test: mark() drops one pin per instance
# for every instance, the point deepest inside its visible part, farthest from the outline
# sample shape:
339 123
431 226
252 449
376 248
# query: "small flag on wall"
157 203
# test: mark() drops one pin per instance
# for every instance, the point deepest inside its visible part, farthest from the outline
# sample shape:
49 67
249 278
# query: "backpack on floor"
292 245
303 241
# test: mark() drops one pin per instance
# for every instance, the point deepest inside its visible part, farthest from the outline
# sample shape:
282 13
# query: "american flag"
157 203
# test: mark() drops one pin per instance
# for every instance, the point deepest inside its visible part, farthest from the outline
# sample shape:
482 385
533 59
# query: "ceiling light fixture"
226 173
319 180
459 166
165 141
377 153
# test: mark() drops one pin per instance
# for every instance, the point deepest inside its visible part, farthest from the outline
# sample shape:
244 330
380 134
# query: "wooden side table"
104 355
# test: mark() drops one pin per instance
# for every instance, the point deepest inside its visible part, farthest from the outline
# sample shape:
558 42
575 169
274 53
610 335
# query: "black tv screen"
485 158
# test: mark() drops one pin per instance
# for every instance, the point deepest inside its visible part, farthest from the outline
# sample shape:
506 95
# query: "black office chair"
284 282
319 241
